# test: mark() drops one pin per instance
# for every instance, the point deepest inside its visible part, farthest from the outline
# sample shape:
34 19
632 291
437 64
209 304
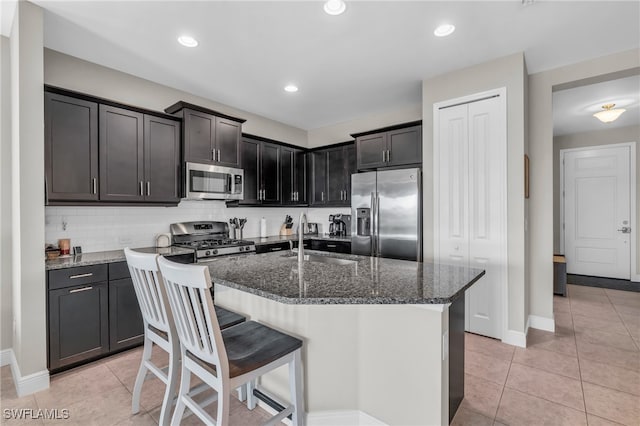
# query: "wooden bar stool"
224 359
159 328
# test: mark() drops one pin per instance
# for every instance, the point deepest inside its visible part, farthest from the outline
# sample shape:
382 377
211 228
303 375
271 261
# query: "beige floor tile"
575 290
488 346
465 417
582 322
140 419
481 396
632 324
631 300
561 304
563 319
517 408
560 389
562 341
609 355
553 362
611 404
611 377
627 309
607 338
76 385
109 408
591 298
605 311
621 293
599 421
486 367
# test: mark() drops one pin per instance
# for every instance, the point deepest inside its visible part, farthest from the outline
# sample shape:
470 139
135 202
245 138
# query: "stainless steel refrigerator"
386 214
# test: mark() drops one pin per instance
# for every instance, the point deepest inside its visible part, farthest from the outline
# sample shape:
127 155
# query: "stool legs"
172 384
142 374
295 384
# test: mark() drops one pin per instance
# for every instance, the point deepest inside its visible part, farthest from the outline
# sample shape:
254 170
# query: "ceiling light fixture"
444 30
609 114
187 41
335 7
291 88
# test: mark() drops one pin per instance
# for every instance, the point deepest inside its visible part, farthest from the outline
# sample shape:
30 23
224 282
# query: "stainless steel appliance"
310 228
209 239
208 182
340 224
386 208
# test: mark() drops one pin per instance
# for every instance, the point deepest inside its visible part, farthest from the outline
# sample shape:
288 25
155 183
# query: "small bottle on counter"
263 227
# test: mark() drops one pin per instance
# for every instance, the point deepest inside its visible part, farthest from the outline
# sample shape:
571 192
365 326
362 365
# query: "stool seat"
227 318
251 345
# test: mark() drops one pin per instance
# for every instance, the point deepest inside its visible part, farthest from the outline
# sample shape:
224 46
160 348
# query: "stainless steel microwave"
208 182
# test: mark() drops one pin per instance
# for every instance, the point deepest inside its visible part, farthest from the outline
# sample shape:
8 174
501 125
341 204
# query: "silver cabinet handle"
218 155
148 188
275 248
78 290
141 188
383 156
388 156
94 185
332 245
322 195
73 277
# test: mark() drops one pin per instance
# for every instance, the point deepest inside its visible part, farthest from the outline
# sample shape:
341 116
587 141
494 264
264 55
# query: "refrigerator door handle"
373 224
377 224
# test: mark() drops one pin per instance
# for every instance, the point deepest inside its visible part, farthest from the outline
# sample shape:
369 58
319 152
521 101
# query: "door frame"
633 273
501 93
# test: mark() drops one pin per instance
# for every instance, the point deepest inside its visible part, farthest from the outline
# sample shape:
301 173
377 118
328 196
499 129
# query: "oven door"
208 182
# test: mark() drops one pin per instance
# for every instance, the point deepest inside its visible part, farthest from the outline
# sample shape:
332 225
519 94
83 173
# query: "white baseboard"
25 385
332 418
515 338
6 357
542 323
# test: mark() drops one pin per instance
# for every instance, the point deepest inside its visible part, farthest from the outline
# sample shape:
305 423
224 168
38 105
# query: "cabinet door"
270 171
250 163
405 146
318 180
121 154
287 175
336 176
162 159
350 168
227 142
78 324
71 148
300 176
199 133
126 327
371 151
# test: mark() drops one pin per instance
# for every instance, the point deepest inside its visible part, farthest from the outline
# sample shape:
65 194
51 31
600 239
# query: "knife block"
284 231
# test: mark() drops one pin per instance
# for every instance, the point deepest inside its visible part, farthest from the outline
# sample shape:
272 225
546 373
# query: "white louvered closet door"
471 204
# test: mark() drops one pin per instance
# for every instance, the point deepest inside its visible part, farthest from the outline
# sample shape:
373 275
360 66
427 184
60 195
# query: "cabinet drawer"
332 246
267 248
118 270
62 278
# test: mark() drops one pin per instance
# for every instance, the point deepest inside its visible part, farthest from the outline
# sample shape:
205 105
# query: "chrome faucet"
301 236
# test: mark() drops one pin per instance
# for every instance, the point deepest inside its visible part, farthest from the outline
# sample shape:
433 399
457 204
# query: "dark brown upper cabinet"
394 146
260 161
101 151
210 137
71 148
293 176
331 169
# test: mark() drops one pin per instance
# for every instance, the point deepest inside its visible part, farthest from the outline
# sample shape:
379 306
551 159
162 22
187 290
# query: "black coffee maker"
340 224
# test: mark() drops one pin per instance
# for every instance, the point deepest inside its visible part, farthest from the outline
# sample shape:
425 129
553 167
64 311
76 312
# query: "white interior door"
470 164
597 213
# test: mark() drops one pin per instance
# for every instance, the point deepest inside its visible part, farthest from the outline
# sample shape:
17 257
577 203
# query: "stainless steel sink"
325 259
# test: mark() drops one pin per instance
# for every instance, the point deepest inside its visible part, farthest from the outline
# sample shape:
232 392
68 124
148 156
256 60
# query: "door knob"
625 230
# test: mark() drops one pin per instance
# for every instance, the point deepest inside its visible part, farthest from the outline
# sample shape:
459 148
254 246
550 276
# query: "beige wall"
27 109
6 313
341 132
585 139
76 74
542 201
506 72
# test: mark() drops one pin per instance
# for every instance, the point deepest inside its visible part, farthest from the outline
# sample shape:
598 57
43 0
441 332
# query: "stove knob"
207 253
214 251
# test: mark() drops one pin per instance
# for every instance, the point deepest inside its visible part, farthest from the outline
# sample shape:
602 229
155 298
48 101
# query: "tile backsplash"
112 228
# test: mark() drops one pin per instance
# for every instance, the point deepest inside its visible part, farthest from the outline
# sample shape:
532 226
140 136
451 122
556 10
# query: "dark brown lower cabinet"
78 324
126 326
332 246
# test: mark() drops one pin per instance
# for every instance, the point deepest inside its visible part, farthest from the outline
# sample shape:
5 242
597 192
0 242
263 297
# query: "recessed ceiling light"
334 7
187 41
291 88
444 30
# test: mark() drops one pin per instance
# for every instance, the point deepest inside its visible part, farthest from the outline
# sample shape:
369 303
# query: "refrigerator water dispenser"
364 222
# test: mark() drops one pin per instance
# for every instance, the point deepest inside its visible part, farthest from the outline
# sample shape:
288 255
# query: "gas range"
209 239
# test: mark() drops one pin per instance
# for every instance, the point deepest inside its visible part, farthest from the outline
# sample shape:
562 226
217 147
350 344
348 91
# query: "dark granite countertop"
279 238
100 257
361 280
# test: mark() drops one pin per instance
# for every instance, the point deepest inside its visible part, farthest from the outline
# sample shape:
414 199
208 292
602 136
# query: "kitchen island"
383 338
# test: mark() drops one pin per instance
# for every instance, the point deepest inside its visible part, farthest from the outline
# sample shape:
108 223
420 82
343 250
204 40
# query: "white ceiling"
573 109
369 60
